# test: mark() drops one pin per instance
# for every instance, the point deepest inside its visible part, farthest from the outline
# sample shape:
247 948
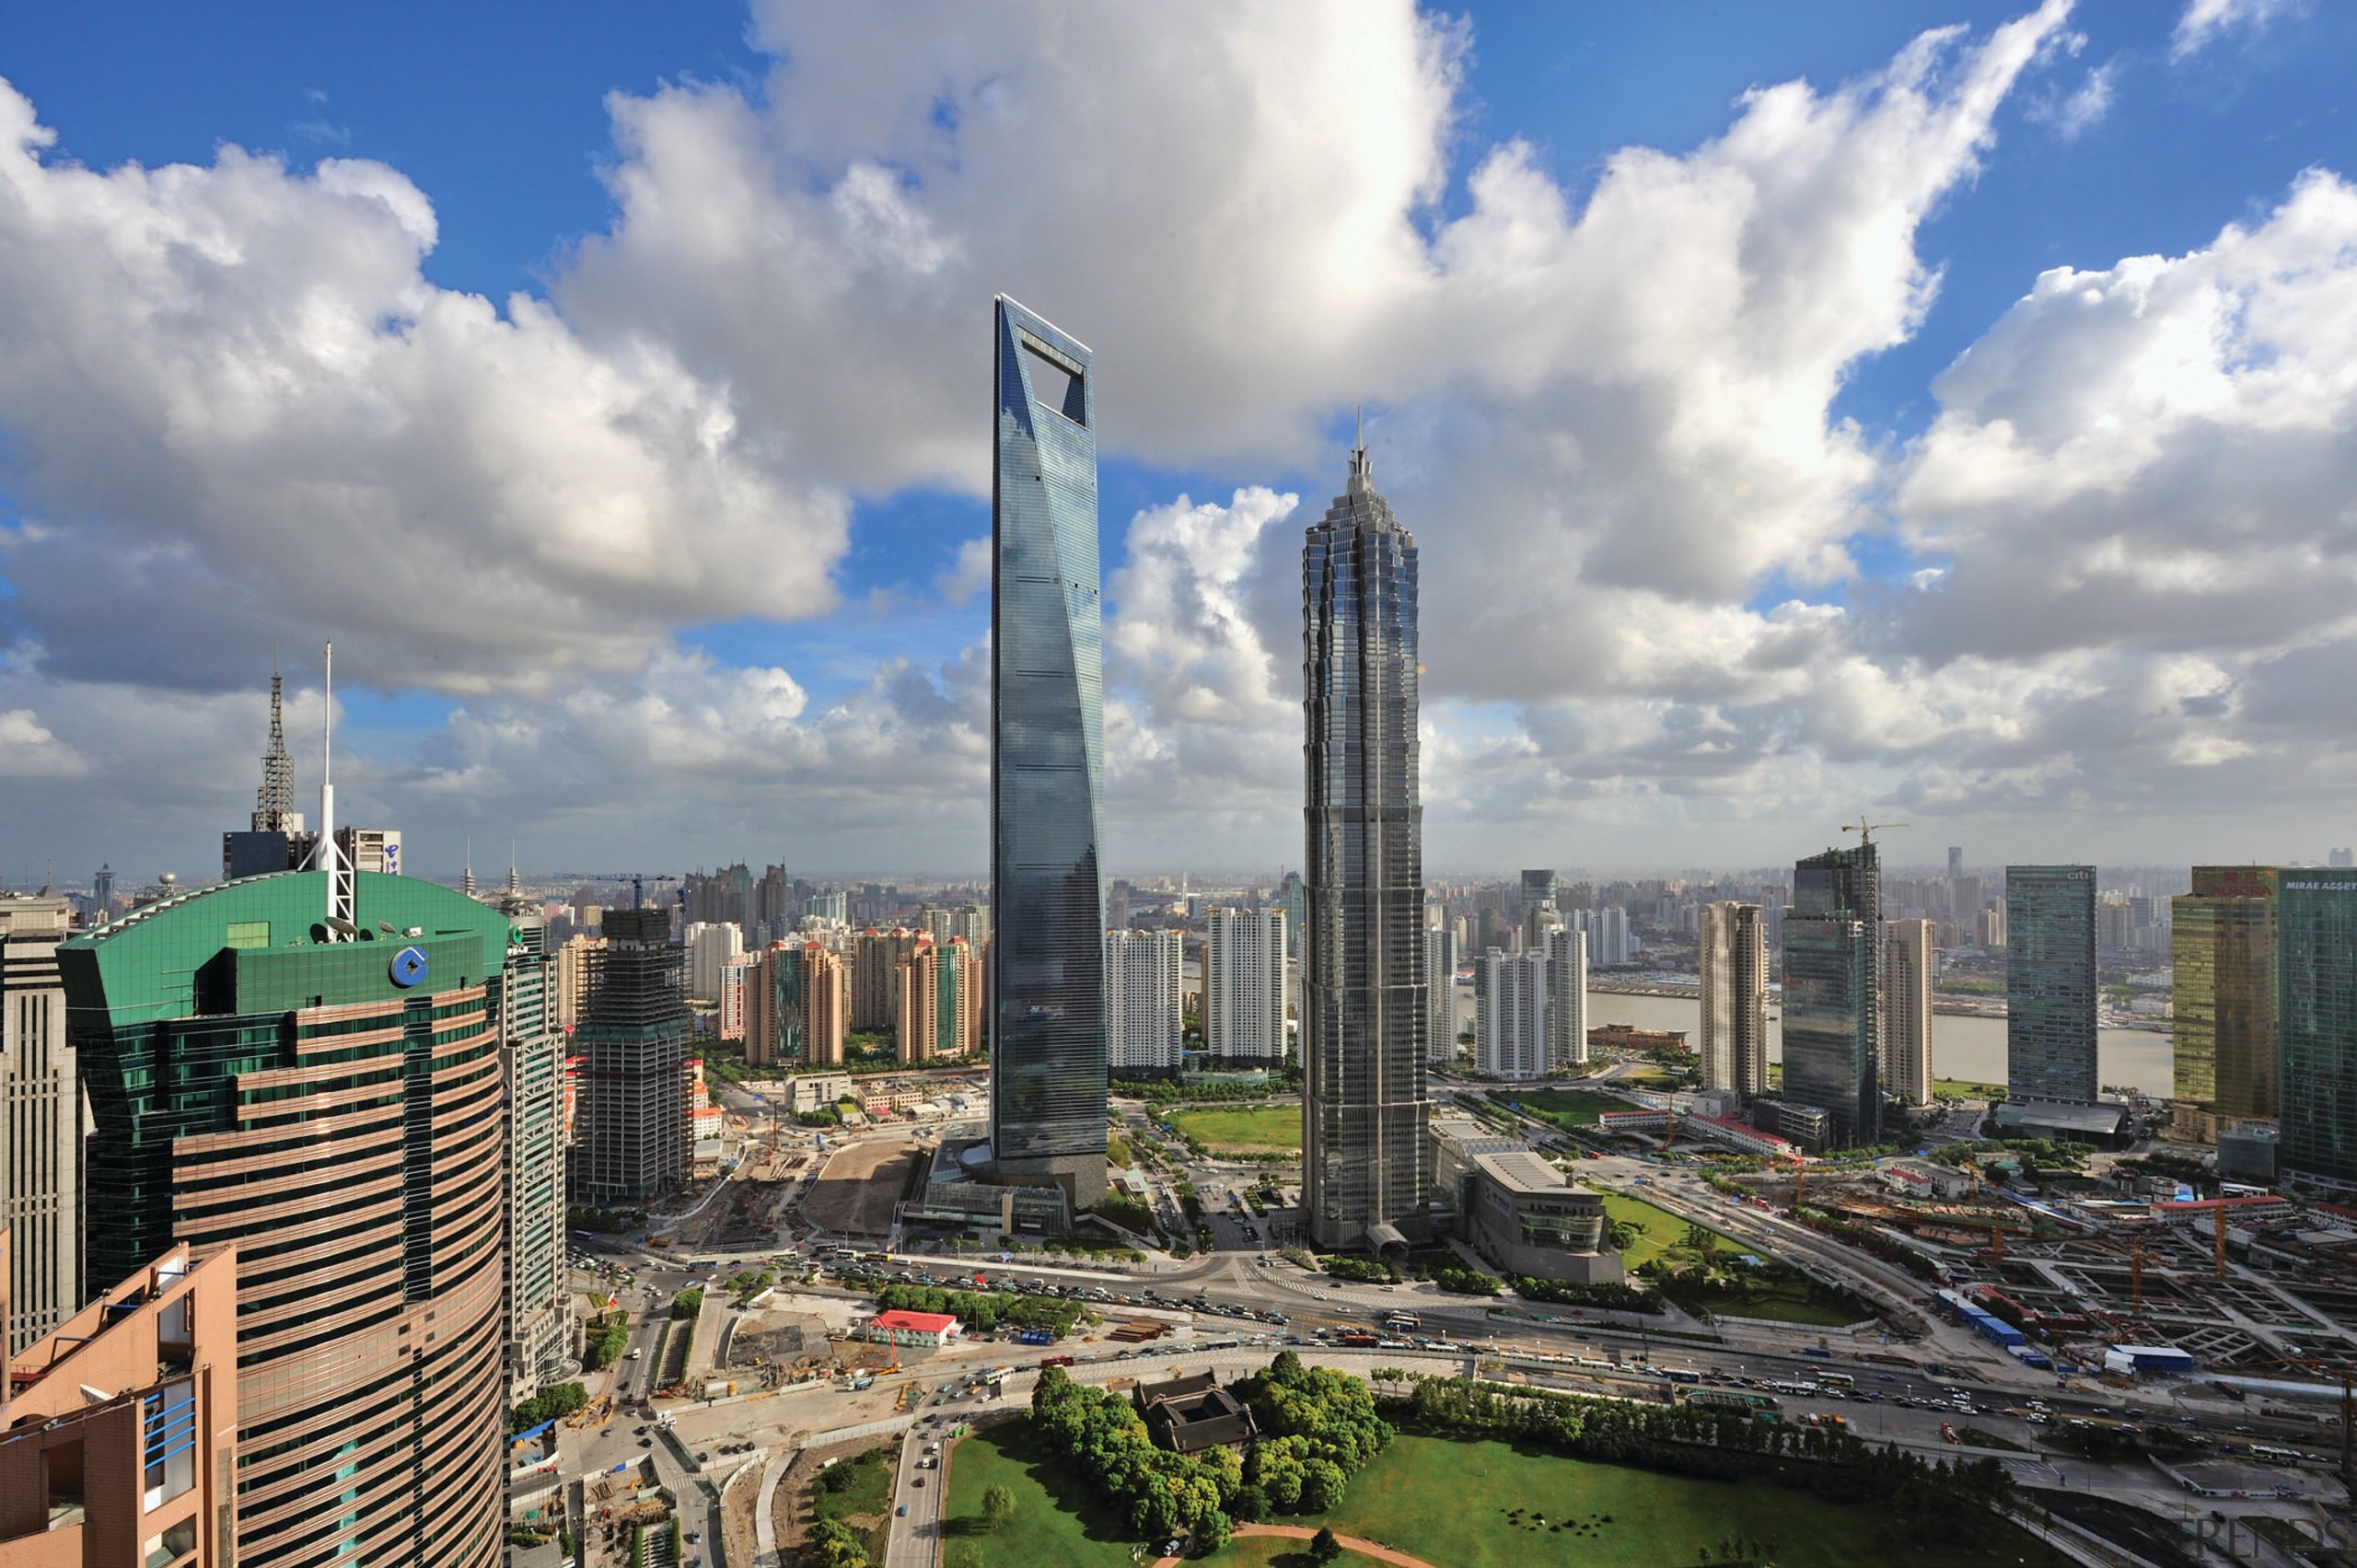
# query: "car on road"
903 1511
918 1481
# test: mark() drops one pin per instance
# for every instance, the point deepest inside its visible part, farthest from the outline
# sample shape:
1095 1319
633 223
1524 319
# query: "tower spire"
1362 470
275 801
467 877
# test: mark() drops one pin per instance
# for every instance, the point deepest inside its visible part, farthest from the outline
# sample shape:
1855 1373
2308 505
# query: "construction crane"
1866 831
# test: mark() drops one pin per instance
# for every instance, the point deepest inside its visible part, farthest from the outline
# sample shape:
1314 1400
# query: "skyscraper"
2050 983
1363 998
1440 990
1244 985
1832 948
2221 951
1049 1043
40 1140
875 976
531 1049
633 1041
2316 1025
1906 1012
1143 976
332 1108
1510 1015
1566 954
1535 887
1731 953
1956 861
1293 899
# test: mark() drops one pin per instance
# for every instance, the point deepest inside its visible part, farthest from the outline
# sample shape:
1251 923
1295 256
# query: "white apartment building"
1142 999
1244 984
1510 1028
1565 951
712 948
1440 980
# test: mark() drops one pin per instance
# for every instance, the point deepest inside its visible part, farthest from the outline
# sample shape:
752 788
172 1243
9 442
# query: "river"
1967 1047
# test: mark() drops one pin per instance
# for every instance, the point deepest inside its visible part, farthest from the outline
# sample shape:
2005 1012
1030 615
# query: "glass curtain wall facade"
1365 1008
2222 950
1832 986
2316 1010
1049 1050
2050 983
334 1111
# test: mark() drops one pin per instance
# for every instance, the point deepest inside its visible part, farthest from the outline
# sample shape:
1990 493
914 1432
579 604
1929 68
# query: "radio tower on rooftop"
275 801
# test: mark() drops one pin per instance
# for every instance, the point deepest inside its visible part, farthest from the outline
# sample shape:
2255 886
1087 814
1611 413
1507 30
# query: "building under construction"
634 1143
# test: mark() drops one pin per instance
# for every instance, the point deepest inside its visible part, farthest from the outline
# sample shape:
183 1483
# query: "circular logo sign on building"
409 967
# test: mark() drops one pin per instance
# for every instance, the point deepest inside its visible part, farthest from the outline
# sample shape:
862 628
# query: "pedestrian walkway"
1303 1532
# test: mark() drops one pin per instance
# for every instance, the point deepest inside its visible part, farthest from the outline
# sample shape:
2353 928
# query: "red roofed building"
914 1328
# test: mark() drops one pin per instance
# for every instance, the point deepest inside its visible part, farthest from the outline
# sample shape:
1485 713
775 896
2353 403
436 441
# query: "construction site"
2258 1294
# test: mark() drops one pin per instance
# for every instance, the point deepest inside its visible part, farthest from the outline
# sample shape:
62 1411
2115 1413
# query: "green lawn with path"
1456 1504
1561 1107
1249 1130
1662 1233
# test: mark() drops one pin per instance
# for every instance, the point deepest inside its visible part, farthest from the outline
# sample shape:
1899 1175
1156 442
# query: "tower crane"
1866 831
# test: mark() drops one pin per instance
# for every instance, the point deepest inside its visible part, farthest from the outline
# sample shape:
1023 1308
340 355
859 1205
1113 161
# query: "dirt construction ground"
855 1193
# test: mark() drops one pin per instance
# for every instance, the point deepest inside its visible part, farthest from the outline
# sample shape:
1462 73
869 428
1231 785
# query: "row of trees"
603 1339
552 1403
1609 1294
983 1310
1465 1282
1916 1502
1888 1248
1318 1428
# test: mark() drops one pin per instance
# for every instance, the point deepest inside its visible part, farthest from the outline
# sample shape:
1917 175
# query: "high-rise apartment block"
1832 984
573 977
2051 983
1732 954
532 1051
2316 1025
940 1004
122 1424
633 1040
712 948
2222 949
1565 952
1142 978
797 1006
1365 1007
1049 1026
875 976
1440 991
1534 888
335 1109
40 1140
1244 985
1906 1012
1510 1015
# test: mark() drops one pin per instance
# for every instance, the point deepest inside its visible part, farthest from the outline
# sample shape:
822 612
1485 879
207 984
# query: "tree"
1323 1547
998 1508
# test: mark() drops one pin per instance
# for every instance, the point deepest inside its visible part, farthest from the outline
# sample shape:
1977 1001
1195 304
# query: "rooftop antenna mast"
275 801
342 922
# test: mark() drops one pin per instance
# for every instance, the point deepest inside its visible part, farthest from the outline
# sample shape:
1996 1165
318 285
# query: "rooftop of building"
1523 1172
1194 1413
2068 1115
916 1323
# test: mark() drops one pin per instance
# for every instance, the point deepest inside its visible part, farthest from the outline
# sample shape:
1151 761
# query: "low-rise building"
2104 1124
1525 1216
1921 1178
1190 1415
935 1329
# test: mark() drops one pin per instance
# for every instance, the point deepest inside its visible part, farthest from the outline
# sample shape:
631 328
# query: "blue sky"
504 121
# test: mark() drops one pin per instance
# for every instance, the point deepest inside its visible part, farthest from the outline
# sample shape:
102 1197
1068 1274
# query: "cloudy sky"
1940 409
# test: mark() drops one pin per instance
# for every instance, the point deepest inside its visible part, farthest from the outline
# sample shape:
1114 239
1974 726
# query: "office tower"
1731 951
1142 975
1566 954
122 1423
102 895
276 841
1832 1034
874 976
371 849
2316 1025
1049 1026
2050 983
1293 897
1244 985
633 1040
1906 1012
533 1047
1440 991
335 1109
1364 1003
2221 951
1956 862
1535 888
2340 858
41 1141
1510 1015
712 948
830 907
572 976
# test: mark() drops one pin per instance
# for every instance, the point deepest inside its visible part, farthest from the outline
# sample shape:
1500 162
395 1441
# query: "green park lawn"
1249 1130
1563 1107
864 1503
1662 1234
1780 1301
1964 1089
1455 1504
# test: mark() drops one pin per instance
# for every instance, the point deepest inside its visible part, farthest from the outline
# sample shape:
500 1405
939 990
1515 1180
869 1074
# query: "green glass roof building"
2316 1043
336 1110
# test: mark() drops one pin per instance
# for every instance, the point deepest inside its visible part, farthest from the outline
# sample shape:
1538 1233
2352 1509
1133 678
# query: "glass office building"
333 1110
2221 954
2315 1026
1364 1004
2050 983
1832 991
1048 1020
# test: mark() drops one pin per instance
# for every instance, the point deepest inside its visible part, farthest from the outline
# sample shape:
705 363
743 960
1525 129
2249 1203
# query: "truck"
1035 1337
1817 1351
